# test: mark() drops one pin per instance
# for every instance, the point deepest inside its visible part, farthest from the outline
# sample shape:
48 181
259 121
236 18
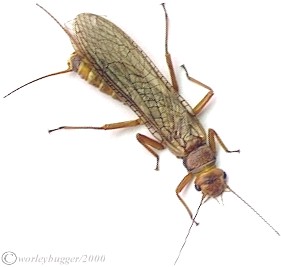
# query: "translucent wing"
132 75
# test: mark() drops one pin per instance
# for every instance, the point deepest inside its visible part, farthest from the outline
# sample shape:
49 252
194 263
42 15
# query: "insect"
109 59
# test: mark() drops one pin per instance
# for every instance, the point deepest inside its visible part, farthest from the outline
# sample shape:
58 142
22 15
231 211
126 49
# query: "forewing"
132 75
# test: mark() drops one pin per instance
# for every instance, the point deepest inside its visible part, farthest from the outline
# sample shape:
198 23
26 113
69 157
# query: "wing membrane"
132 75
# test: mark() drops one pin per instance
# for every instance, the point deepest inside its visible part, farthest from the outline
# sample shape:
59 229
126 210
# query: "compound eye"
197 187
224 175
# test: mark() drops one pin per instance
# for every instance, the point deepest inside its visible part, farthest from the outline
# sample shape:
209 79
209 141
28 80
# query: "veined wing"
137 81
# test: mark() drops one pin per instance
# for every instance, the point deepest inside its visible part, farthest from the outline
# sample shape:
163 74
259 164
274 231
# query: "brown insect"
109 59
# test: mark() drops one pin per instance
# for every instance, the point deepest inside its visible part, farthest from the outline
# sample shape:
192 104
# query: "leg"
168 55
212 135
149 144
111 126
203 102
185 181
199 107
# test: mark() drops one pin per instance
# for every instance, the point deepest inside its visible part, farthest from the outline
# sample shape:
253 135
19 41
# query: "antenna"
189 230
253 210
202 201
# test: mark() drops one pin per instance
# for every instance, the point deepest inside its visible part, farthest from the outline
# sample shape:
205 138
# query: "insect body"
108 58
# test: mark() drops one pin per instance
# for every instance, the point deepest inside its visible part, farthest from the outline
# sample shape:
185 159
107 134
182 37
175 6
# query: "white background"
88 192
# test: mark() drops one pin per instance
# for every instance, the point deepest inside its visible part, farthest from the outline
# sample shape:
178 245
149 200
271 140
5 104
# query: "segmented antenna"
189 230
244 201
253 210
